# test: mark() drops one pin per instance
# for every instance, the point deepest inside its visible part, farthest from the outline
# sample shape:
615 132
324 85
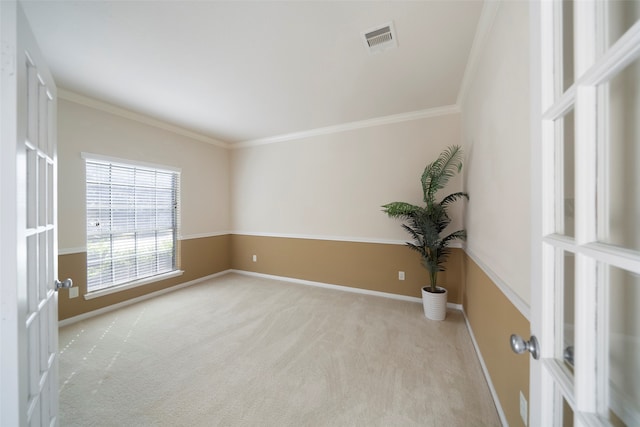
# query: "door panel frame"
11 407
15 393
587 390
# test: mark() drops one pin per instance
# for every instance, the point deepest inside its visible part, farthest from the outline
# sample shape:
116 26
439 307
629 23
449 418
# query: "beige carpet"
244 351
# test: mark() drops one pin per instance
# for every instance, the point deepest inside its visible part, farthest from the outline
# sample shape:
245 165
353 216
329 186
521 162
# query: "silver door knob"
567 355
65 284
519 345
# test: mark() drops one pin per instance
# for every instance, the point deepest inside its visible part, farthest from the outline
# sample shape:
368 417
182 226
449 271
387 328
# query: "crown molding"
395 118
485 24
379 121
127 114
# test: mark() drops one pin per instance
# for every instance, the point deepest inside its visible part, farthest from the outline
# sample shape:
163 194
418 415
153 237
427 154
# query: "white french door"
29 323
586 289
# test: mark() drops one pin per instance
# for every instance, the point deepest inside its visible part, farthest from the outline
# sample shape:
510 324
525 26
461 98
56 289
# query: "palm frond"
419 249
431 231
415 233
456 235
400 209
443 255
436 175
437 218
453 197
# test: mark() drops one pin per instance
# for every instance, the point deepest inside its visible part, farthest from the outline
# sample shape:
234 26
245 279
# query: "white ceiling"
247 70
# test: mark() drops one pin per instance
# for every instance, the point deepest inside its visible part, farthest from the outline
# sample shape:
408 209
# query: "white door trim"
585 385
535 404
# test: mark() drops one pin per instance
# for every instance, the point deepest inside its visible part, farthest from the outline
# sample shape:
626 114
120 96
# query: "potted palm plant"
427 223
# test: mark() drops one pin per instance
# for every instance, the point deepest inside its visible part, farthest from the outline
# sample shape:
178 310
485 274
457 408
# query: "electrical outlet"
73 292
400 275
255 258
523 408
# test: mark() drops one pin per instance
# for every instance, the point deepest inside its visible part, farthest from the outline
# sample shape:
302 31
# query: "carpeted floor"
244 351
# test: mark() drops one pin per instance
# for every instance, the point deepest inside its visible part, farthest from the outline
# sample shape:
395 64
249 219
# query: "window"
132 222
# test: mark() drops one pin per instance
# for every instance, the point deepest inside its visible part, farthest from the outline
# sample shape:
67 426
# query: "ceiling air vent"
380 38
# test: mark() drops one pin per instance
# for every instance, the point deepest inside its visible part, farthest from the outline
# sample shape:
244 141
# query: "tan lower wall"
371 266
198 258
493 318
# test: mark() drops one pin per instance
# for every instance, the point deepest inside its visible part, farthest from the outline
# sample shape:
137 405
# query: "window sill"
131 285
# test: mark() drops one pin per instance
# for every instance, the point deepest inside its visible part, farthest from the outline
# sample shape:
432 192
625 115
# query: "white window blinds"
132 223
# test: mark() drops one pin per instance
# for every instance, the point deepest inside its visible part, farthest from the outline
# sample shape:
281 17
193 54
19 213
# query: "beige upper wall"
204 177
333 185
496 135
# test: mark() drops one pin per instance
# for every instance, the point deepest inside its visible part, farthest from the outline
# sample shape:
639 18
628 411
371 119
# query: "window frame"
143 279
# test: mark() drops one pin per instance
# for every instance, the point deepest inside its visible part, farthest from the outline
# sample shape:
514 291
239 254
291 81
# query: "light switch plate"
73 292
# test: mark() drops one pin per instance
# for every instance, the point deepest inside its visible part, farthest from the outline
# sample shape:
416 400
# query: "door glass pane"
43 120
616 421
50 194
42 191
569 173
42 266
32 274
567 44
624 343
32 188
622 14
565 352
567 414
565 199
619 173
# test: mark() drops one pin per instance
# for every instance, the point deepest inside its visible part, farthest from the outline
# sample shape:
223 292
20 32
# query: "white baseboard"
454 306
112 307
328 286
494 394
340 288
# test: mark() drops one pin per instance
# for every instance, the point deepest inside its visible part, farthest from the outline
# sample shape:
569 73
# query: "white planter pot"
435 305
